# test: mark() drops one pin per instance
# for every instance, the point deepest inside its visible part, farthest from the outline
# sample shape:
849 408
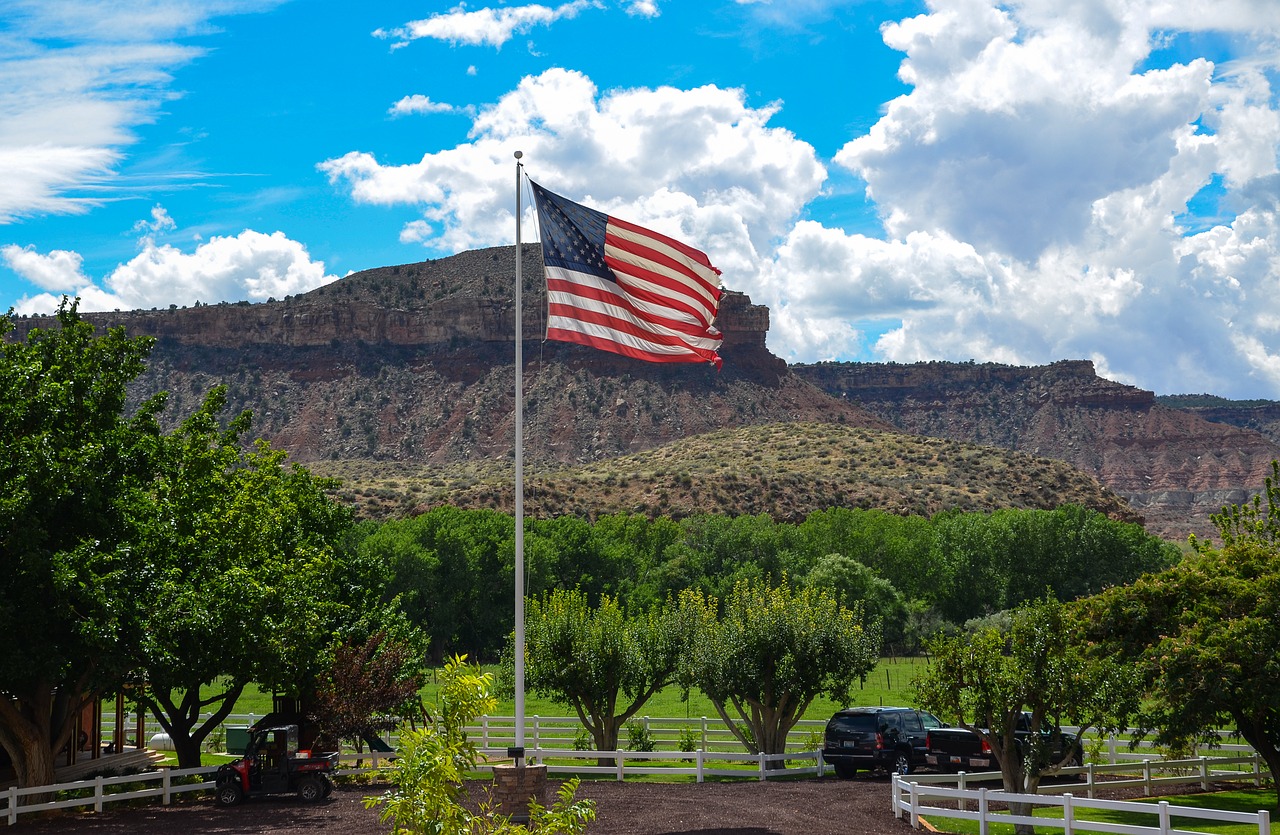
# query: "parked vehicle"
877 738
960 749
273 764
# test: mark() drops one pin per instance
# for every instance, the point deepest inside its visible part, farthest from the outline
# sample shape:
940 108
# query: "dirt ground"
791 807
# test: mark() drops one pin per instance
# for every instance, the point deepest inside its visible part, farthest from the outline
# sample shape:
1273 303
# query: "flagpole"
519 498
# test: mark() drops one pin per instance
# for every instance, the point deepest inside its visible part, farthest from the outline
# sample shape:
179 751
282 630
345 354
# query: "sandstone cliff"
1174 467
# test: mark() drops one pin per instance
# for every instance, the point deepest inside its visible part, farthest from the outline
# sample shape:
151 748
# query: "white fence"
165 783
168 782
912 796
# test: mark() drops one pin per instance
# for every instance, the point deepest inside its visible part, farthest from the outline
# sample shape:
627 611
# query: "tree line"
454 568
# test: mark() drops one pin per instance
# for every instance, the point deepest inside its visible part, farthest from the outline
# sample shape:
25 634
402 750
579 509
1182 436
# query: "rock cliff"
1174 467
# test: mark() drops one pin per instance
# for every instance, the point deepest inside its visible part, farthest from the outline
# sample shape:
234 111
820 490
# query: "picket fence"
911 796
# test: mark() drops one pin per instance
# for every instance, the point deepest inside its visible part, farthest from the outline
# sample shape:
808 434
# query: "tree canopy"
73 467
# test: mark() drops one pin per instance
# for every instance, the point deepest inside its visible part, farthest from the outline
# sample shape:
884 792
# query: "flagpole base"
515 785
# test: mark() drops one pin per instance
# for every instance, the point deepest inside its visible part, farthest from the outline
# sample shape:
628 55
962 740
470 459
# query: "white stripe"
695 292
618 312
627 281
610 335
707 274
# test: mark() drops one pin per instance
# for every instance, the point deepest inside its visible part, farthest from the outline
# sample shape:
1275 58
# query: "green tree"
1205 633
604 662
240 549
854 584
72 466
428 794
771 651
1041 664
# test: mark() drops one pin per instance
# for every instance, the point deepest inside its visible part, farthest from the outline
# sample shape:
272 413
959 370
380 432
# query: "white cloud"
643 8
251 265
59 270
698 164
418 104
1030 185
483 27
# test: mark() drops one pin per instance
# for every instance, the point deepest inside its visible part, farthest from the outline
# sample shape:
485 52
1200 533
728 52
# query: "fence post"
1146 777
700 761
760 759
960 784
1264 822
484 731
1204 774
13 805
1089 780
1164 817
984 826
915 805
1257 770
1111 749
166 783
619 757
97 793
1068 815
896 802
535 730
704 732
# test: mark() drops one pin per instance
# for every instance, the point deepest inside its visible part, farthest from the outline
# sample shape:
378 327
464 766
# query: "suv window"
890 722
929 720
911 722
856 723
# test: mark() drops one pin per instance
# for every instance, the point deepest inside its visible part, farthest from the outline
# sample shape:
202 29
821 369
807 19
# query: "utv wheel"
311 789
328 786
845 771
230 794
902 764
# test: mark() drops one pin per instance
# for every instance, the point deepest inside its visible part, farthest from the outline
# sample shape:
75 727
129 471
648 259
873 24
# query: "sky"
897 180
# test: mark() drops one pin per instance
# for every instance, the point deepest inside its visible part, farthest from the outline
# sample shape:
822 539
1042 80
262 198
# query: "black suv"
889 738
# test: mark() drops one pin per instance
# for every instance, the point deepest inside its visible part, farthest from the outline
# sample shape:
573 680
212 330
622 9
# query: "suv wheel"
902 764
845 771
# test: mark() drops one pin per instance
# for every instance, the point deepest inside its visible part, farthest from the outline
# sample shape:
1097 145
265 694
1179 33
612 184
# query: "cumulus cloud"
252 266
697 164
483 27
1031 186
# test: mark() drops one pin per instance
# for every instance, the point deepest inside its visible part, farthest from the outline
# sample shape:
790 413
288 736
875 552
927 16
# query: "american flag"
623 288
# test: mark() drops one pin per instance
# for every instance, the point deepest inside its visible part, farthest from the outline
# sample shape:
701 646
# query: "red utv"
272 764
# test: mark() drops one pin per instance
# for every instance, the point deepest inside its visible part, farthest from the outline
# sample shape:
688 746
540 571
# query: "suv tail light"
928 740
986 747
879 742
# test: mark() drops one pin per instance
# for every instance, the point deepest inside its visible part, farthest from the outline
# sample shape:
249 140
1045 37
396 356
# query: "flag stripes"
616 286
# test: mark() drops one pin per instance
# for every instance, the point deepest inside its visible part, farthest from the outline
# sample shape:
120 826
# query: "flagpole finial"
519 154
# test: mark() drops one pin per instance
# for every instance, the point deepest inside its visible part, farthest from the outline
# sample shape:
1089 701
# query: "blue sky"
953 179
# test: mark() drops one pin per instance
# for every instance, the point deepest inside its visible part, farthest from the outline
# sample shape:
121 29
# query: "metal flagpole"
519 503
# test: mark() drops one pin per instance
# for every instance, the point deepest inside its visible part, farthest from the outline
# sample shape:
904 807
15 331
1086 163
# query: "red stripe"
563 335
622 299
696 254
680 300
643 251
622 325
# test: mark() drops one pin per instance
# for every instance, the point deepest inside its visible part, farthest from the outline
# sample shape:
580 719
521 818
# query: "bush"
639 738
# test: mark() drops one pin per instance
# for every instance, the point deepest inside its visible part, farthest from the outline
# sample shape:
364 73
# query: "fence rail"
911 796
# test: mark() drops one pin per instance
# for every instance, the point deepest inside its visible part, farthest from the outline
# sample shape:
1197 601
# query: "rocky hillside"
786 470
1174 466
399 368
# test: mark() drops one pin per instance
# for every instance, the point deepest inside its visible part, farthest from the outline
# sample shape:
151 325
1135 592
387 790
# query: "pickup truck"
960 749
